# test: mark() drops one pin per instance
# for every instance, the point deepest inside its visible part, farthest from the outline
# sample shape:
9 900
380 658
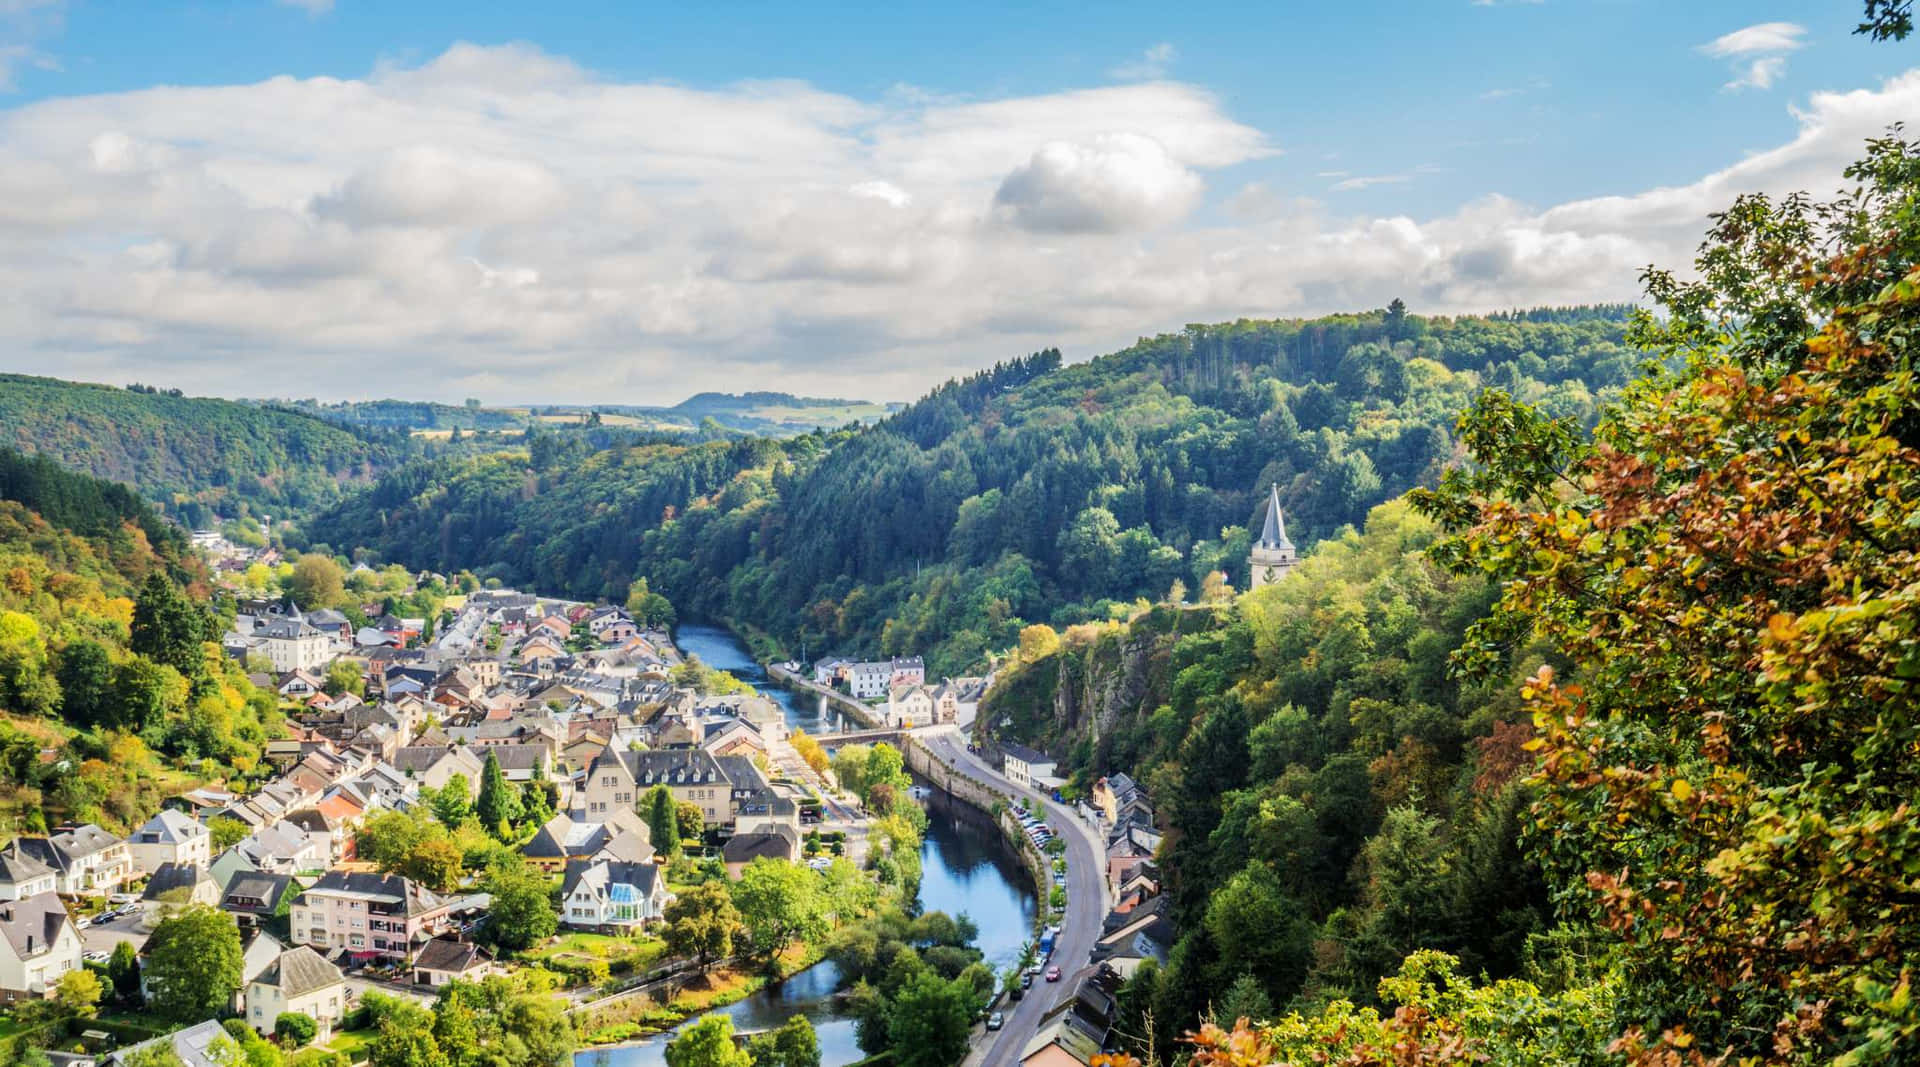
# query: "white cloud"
501 223
314 8
1759 53
1152 65
1760 74
1113 183
1763 37
1368 181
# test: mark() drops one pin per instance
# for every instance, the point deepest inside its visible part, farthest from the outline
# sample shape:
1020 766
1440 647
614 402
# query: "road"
1086 902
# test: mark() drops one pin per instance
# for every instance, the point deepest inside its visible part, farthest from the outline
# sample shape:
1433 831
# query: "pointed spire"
1274 533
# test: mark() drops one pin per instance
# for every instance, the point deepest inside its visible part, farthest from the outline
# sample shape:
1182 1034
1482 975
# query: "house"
911 670
204 1044
520 763
38 944
299 981
284 848
1077 1029
332 623
623 836
1115 791
909 706
86 860
23 876
619 777
175 887
608 896
253 897
370 915
445 959
775 841
434 765
735 737
169 837
296 685
869 681
294 645
1024 766
763 810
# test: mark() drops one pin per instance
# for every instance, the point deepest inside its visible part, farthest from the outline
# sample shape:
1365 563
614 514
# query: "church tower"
1272 556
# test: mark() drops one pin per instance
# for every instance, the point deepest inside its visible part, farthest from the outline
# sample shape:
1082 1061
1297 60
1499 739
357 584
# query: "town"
600 774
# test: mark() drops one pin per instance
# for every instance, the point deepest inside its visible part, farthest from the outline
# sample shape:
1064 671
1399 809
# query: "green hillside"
197 457
104 660
1032 491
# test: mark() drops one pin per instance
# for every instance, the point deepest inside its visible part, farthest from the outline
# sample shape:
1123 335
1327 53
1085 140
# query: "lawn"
639 953
352 1042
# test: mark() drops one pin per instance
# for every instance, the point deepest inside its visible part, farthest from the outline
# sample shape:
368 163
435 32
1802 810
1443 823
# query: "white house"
86 860
1024 766
299 981
22 875
909 706
607 896
170 837
293 645
38 944
869 681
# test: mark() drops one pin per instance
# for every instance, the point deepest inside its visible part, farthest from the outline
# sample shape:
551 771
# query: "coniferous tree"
167 628
663 821
499 804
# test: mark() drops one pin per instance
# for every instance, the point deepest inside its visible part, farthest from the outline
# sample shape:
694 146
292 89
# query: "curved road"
1086 902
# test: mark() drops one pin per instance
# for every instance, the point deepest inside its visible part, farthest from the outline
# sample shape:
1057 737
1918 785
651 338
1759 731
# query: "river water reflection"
717 647
966 867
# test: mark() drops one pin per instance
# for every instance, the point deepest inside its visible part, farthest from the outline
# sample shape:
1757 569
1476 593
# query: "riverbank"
863 714
727 985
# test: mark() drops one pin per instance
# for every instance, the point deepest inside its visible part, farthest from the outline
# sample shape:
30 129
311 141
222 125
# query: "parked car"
1053 974
97 957
123 899
1026 978
82 924
996 1021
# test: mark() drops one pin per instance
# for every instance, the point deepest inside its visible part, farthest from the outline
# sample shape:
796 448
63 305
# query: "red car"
1053 974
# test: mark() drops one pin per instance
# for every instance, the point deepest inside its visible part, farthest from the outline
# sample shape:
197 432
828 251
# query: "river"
966 868
717 647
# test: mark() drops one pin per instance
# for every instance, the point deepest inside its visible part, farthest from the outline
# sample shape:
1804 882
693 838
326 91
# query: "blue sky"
1377 142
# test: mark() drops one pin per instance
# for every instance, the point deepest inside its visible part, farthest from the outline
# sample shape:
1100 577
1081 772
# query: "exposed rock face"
1094 685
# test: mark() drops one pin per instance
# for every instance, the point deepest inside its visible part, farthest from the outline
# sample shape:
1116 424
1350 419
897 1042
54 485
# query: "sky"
629 203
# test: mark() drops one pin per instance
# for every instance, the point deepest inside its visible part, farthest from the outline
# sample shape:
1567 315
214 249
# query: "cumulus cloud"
1759 52
1115 182
500 223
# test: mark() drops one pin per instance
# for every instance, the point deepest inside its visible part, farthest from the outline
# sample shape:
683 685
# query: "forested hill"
1031 491
111 697
99 529
1334 798
197 457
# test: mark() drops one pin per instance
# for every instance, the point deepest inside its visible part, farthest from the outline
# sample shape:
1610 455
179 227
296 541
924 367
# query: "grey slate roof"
33 924
1274 533
63 850
170 877
18 866
450 955
249 886
298 971
778 842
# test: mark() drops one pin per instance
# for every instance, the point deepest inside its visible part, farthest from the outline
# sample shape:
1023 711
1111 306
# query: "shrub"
294 1029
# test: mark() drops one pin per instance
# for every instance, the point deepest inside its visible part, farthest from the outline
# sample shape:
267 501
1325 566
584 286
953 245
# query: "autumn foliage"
1730 778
